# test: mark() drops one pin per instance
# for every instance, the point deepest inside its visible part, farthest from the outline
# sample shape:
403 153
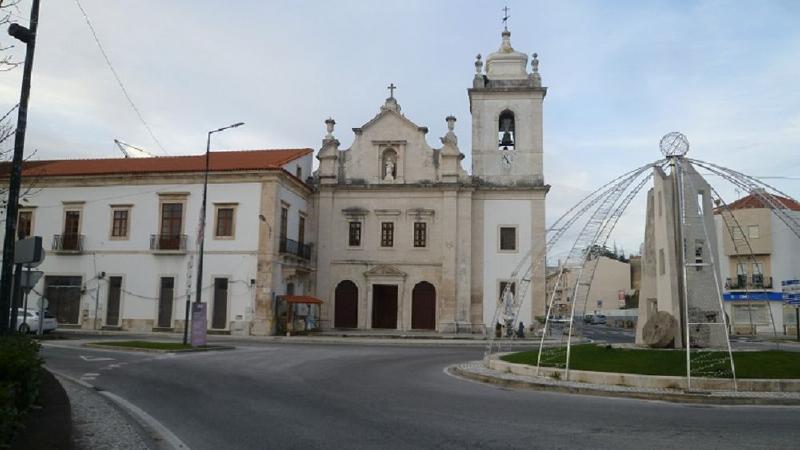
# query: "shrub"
20 367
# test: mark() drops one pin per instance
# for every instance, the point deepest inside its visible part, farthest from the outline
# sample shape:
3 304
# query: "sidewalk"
98 424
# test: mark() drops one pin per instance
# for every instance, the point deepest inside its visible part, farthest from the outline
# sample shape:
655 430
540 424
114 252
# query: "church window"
505 133
508 238
354 239
420 234
389 164
387 234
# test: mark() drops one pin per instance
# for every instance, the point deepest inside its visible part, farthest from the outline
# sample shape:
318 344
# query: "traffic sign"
30 278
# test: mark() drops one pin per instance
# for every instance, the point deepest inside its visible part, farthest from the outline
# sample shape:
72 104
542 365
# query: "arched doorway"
346 305
423 306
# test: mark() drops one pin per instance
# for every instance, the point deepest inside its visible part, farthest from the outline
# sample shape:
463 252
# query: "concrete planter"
648 381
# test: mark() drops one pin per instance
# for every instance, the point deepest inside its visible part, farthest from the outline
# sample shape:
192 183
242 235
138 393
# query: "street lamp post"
9 299
202 229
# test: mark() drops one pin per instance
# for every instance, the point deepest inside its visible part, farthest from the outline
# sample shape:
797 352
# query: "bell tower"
506 107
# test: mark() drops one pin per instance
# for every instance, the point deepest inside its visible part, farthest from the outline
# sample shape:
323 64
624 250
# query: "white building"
121 238
403 237
764 254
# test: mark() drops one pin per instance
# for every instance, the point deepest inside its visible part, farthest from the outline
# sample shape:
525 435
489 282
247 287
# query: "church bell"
506 124
506 141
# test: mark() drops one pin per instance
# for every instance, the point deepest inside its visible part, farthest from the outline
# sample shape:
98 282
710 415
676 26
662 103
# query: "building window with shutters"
387 234
507 238
120 222
354 234
225 221
284 230
301 229
420 234
25 223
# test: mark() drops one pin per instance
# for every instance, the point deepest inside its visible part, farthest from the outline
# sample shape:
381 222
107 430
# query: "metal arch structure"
705 362
521 275
597 229
758 188
606 205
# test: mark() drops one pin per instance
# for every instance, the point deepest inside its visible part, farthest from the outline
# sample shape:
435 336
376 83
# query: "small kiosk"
297 314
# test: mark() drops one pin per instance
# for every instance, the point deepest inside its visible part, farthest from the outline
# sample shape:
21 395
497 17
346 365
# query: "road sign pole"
40 331
797 321
25 303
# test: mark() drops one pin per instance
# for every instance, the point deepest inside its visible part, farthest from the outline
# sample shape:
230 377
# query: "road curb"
157 432
156 350
461 370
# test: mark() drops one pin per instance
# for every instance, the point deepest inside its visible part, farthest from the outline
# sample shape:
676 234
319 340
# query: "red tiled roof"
754 201
220 161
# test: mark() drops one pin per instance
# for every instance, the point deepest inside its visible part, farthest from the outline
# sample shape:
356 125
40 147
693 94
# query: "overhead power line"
116 76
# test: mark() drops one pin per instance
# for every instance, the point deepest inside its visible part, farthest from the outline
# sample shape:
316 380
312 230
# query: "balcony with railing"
168 243
294 248
68 243
752 283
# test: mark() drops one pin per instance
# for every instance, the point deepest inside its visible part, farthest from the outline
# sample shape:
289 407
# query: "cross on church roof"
391 88
505 18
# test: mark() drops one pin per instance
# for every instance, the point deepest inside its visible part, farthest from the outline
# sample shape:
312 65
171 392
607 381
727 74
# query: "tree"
8 127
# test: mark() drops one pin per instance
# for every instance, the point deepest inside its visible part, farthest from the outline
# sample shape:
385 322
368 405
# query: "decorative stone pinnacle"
535 63
478 64
451 122
505 47
329 124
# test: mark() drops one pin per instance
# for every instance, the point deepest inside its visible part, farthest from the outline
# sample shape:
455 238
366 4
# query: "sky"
620 74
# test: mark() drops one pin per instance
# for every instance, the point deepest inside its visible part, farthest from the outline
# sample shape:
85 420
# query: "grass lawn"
762 364
150 345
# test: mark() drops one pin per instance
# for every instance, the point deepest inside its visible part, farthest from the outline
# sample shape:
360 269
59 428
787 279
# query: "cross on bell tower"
505 18
391 88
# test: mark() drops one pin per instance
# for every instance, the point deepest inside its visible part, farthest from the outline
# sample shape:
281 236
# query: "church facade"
407 239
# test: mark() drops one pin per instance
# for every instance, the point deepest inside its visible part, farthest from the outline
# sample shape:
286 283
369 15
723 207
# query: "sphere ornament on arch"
674 144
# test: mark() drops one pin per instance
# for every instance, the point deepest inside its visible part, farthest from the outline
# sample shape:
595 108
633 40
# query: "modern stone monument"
679 277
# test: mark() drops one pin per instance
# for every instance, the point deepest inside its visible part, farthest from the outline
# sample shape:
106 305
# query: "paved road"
358 396
605 333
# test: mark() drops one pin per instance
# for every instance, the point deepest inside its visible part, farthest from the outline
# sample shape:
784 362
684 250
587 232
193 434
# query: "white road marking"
95 358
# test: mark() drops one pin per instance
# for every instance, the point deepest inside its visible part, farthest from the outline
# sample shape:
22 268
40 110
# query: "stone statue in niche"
389 170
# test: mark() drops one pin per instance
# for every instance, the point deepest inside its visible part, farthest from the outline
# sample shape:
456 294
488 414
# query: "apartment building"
121 238
756 256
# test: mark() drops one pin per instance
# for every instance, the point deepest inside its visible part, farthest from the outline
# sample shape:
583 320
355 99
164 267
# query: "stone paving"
477 370
99 425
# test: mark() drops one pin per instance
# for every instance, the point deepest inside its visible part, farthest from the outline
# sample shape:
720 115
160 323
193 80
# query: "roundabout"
684 331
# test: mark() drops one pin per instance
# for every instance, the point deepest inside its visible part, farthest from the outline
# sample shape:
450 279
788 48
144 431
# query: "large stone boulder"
660 330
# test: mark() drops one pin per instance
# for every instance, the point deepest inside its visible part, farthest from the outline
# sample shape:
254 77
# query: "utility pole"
28 36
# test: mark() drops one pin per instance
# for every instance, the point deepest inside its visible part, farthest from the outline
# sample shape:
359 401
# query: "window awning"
307 299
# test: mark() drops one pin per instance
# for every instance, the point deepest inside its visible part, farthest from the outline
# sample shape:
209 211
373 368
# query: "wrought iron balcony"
68 243
294 248
168 242
755 282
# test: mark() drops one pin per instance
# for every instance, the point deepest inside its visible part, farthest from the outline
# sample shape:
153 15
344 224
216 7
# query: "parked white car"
31 322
